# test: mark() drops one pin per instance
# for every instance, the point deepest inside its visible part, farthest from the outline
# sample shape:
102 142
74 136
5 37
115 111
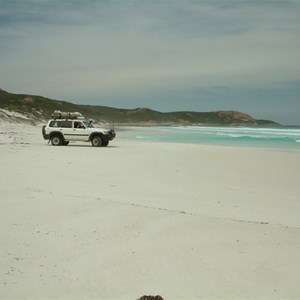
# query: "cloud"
117 48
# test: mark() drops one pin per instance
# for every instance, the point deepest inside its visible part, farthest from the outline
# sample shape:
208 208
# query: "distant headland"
36 109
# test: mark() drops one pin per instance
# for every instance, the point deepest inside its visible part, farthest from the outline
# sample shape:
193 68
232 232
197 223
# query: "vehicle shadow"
81 146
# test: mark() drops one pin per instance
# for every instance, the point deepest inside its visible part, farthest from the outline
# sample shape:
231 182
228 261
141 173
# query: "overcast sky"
166 55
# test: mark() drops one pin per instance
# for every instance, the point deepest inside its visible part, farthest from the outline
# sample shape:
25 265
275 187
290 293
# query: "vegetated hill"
37 109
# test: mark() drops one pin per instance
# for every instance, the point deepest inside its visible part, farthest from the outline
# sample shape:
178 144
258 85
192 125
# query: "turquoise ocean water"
283 137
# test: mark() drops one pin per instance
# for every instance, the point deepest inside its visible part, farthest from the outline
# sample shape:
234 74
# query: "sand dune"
135 218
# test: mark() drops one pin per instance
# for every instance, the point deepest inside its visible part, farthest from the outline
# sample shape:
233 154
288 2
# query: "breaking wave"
276 137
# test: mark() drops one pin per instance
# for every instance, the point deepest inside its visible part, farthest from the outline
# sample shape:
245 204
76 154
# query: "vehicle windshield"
88 124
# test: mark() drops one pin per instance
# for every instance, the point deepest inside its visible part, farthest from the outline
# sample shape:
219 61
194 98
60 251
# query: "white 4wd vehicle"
66 127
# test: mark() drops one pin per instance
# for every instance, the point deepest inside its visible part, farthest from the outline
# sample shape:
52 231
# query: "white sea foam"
251 132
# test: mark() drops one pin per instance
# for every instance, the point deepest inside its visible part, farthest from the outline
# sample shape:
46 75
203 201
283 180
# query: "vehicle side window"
54 124
78 125
66 124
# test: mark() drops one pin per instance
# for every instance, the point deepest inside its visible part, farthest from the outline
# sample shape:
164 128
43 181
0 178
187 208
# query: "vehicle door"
66 129
80 131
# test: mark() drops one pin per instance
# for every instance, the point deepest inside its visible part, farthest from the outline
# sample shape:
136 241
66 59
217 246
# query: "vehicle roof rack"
67 115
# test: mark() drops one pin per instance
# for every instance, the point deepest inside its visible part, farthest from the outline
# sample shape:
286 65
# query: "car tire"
96 141
56 140
105 143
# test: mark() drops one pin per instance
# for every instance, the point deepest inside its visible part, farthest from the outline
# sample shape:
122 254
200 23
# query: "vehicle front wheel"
96 141
105 143
56 140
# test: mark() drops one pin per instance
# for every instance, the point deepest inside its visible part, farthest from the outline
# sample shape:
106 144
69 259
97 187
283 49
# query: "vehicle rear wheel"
96 141
56 140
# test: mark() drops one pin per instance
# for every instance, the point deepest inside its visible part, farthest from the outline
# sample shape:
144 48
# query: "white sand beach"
178 220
